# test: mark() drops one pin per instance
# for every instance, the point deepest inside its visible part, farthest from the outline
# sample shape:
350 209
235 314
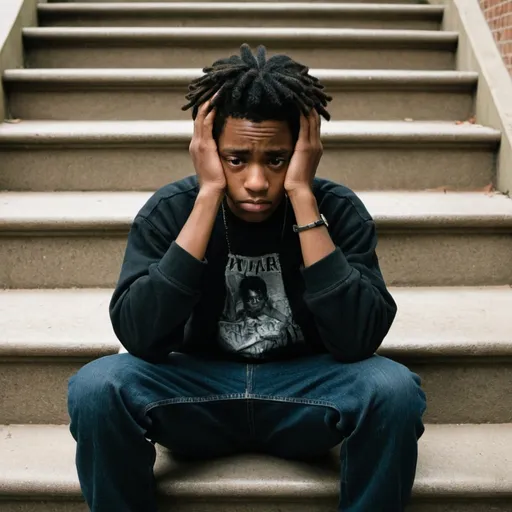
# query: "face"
255 157
254 303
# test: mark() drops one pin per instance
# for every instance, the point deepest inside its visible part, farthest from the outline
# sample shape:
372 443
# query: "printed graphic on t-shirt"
257 318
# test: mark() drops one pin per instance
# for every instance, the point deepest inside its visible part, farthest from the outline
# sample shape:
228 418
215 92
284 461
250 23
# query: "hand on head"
307 154
203 150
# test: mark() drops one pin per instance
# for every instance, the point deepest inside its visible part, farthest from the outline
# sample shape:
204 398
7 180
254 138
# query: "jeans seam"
240 396
195 399
302 401
250 408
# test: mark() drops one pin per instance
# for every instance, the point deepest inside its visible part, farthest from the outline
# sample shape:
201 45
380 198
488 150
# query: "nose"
256 180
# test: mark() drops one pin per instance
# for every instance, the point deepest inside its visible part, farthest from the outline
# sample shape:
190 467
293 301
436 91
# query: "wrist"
304 206
208 200
301 194
211 193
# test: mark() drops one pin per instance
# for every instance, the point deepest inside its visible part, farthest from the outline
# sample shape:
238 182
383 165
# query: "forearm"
149 308
196 233
351 304
345 290
161 280
161 277
315 243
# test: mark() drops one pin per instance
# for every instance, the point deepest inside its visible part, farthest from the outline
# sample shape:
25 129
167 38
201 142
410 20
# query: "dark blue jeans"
200 408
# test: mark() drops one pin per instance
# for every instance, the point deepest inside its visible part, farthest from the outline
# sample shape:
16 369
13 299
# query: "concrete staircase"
95 126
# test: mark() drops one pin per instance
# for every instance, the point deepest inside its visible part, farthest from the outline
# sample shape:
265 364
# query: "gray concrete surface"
449 469
181 47
376 155
14 15
156 94
46 335
477 51
278 14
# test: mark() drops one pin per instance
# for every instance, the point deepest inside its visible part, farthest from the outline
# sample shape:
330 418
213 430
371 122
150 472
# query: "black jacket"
166 300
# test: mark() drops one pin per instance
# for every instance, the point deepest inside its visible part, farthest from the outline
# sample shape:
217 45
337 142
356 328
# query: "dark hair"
254 88
254 283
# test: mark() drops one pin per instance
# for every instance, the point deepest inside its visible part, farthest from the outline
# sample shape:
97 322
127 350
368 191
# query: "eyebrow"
245 152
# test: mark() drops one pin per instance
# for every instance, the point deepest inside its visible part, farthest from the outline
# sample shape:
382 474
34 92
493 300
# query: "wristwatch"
322 221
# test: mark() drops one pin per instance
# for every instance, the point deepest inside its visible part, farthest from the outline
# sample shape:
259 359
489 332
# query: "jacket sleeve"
347 295
159 285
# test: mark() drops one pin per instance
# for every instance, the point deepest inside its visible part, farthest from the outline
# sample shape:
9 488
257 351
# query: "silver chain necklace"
226 230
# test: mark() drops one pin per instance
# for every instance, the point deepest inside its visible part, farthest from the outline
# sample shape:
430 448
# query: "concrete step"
77 239
132 47
237 1
88 155
461 468
151 94
249 14
454 338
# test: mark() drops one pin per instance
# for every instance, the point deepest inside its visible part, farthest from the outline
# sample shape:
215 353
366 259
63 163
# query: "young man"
251 304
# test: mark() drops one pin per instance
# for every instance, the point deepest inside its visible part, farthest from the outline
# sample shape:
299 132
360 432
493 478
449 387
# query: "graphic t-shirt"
247 298
257 320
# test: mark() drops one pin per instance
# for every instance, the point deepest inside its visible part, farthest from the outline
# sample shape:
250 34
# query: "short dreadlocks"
254 88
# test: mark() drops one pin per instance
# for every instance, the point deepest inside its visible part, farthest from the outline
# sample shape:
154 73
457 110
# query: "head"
253 291
257 104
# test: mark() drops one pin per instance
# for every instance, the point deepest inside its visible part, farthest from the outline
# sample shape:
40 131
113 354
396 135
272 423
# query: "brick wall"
499 16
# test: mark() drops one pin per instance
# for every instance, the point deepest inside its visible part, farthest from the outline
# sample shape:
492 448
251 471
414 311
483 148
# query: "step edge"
415 11
324 486
293 10
117 133
421 38
99 227
464 214
483 351
104 341
35 79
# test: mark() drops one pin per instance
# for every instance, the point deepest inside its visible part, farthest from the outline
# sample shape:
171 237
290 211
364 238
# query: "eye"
234 161
277 161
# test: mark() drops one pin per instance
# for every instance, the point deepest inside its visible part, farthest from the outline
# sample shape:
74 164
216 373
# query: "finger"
207 133
304 130
199 120
204 110
314 123
319 127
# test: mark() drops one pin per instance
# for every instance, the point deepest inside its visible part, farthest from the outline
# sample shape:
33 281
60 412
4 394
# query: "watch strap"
320 222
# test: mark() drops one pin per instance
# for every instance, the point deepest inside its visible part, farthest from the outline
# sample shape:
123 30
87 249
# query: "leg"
307 406
118 403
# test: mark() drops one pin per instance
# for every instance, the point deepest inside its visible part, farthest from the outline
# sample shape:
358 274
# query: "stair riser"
42 55
213 1
360 167
483 505
479 393
43 506
253 20
91 104
408 259
35 393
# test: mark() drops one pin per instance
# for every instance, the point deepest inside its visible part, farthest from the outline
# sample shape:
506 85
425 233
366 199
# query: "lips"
255 207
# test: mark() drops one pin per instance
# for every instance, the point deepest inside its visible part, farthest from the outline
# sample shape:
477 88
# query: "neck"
269 224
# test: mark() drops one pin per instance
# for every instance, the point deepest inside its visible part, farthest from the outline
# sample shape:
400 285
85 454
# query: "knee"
92 389
396 391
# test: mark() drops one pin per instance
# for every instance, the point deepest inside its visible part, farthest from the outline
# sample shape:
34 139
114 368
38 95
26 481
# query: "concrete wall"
498 14
478 52
14 15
